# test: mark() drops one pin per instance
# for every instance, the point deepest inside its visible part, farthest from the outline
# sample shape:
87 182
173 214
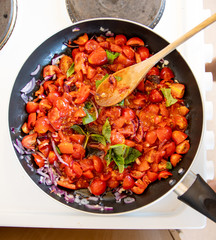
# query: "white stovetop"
22 203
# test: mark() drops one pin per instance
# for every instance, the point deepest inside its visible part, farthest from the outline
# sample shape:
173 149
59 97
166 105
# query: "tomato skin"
177 90
88 174
120 39
91 45
66 147
29 141
143 52
128 51
31 107
78 151
82 94
77 169
66 184
112 183
183 147
135 41
169 149
137 174
115 48
178 136
82 39
164 174
141 184
175 159
137 190
42 125
153 176
38 160
166 73
97 187
143 166
164 133
128 182
31 120
98 57
117 137
153 71
128 114
151 136
65 63
181 122
155 96
98 165
52 157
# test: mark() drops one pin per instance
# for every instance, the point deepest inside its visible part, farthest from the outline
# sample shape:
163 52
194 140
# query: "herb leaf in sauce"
106 130
111 56
70 71
168 97
98 82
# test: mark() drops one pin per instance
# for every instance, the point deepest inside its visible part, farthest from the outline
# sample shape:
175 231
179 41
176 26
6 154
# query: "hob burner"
8 13
143 11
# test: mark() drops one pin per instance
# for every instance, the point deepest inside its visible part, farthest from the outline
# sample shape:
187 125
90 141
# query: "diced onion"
35 72
29 86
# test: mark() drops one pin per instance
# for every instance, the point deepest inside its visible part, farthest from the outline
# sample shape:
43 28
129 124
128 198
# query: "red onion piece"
24 97
29 86
55 60
76 29
128 200
35 72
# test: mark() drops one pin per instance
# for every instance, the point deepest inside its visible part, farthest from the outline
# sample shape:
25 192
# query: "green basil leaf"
108 157
98 138
118 78
120 149
168 97
119 160
111 56
58 150
88 118
132 156
168 165
70 71
98 82
78 129
120 103
106 130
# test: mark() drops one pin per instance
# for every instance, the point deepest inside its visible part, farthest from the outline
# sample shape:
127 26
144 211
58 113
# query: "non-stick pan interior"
55 45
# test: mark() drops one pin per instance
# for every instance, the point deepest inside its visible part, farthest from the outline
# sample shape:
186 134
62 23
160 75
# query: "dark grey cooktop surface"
147 12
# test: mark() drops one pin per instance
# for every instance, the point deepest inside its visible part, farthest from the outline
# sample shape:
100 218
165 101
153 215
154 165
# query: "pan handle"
199 196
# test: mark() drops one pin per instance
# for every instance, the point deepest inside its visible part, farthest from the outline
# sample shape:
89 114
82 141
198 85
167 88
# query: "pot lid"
143 11
8 13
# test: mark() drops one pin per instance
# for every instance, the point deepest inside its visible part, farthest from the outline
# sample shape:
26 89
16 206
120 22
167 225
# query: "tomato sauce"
129 145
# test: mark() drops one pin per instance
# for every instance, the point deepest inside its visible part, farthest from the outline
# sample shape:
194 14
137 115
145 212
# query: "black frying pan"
54 45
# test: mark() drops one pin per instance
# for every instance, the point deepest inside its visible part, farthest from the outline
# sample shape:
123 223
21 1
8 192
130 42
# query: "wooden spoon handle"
165 51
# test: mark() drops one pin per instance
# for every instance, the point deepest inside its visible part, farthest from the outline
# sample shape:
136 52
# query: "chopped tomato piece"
120 39
166 73
164 174
98 57
177 90
164 133
183 147
178 136
31 107
97 187
175 159
135 41
38 160
82 39
66 147
128 182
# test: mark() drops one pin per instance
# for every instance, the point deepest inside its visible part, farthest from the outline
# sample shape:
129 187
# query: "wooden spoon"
120 84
